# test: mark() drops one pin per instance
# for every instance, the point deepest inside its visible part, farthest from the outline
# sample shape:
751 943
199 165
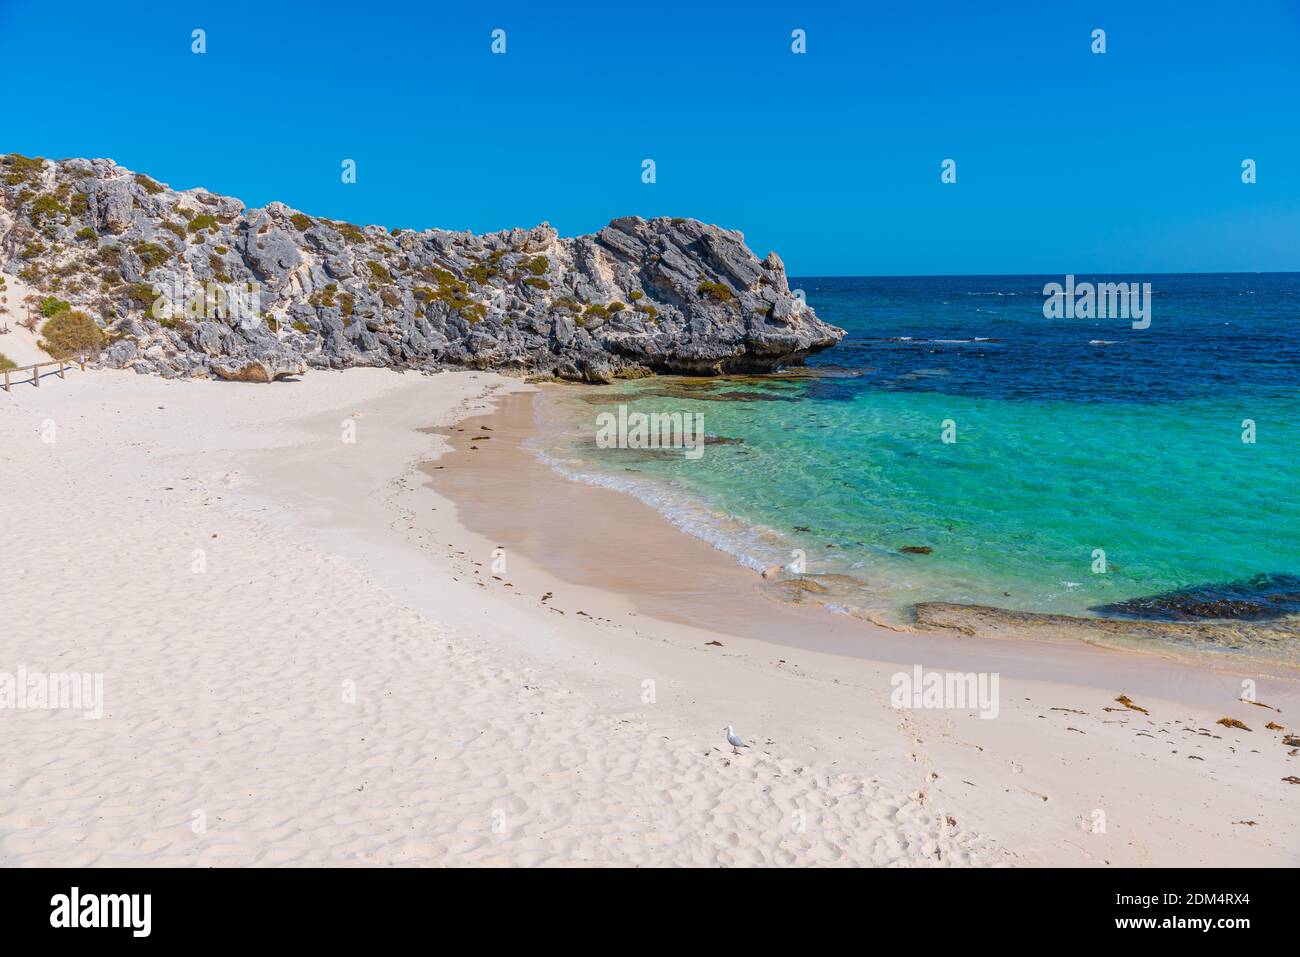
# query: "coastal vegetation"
70 332
715 291
152 254
150 186
51 306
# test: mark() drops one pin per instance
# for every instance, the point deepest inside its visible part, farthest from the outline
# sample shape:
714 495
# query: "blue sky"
1067 161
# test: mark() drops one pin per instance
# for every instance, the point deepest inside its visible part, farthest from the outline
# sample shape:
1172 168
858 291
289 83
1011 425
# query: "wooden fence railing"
62 364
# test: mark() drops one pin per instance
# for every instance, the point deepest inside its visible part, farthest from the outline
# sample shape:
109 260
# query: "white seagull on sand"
733 739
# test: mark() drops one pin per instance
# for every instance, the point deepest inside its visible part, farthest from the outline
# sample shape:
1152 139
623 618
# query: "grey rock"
113 205
266 368
119 354
271 255
692 298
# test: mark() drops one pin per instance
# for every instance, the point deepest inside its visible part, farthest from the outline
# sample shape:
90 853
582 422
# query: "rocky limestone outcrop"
268 368
638 297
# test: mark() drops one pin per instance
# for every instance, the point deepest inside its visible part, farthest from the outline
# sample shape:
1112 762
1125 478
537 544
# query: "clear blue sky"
1067 161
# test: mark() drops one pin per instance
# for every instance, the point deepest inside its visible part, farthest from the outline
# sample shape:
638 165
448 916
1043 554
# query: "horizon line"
1036 275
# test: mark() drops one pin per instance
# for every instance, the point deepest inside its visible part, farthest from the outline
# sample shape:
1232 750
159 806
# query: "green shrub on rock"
44 206
349 232
715 291
140 295
324 297
150 186
218 267
21 169
50 306
152 254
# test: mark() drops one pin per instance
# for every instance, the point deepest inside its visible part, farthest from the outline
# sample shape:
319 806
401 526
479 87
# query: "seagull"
733 739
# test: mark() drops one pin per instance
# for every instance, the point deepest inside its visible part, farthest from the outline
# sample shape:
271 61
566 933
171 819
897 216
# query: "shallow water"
1087 463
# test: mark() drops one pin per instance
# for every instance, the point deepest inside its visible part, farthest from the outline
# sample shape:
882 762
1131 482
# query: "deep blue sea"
1053 465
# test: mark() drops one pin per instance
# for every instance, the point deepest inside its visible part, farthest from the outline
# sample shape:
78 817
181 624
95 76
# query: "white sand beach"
307 657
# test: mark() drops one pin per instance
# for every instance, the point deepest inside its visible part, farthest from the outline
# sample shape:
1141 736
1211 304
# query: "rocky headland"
638 297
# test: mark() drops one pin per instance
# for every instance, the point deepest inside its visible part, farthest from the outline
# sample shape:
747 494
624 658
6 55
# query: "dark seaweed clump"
1258 598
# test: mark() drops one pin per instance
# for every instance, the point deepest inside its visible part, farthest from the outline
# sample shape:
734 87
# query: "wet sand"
608 541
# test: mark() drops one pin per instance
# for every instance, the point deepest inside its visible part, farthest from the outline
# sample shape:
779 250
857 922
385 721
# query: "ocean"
959 446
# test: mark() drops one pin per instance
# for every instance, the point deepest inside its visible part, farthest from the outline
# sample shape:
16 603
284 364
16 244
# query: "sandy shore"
308 656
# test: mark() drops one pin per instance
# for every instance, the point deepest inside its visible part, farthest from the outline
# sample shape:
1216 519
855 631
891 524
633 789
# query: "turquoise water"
1070 436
